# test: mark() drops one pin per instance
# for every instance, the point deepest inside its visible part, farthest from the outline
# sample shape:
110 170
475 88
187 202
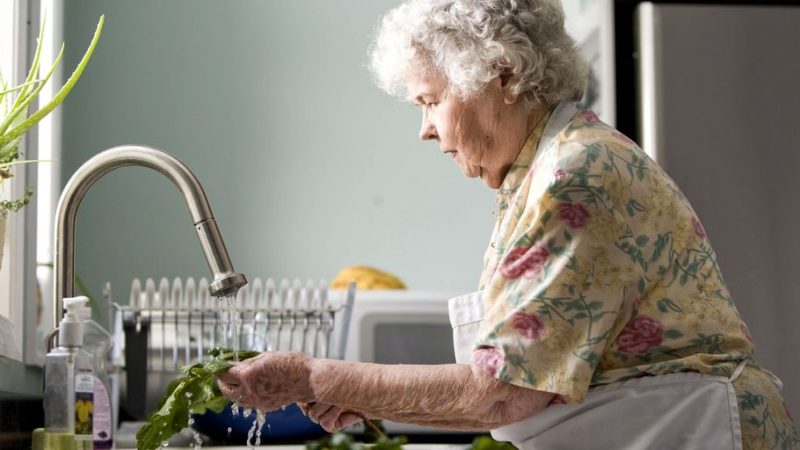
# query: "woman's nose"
427 131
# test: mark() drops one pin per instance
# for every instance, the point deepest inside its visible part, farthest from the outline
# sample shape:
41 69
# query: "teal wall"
307 165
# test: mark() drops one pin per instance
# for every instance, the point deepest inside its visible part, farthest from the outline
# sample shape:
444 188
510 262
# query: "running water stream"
230 327
231 339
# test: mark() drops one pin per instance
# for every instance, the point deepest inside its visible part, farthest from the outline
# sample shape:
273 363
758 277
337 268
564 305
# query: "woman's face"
483 135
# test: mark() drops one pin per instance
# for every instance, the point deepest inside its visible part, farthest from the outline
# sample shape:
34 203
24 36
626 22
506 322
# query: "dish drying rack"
170 325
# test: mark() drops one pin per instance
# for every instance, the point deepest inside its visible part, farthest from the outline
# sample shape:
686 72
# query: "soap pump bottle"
98 342
69 383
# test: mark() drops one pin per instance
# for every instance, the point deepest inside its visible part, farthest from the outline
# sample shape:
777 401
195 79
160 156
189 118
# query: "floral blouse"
599 271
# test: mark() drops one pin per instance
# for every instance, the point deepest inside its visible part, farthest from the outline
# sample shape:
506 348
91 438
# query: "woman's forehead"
424 82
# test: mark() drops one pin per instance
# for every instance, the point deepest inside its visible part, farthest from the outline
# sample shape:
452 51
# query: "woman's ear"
509 81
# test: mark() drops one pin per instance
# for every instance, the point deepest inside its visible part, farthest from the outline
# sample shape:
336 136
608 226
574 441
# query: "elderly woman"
602 319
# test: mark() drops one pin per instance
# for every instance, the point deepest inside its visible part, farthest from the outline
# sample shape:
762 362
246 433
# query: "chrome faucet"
226 281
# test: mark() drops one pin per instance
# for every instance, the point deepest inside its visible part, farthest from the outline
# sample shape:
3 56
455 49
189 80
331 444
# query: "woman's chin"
494 184
476 172
487 178
470 171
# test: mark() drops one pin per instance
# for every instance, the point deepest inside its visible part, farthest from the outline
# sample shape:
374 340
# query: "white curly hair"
471 42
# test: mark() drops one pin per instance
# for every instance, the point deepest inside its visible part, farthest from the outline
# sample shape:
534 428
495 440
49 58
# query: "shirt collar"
521 166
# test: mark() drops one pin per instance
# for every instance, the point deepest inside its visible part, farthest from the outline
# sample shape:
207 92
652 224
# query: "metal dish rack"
174 324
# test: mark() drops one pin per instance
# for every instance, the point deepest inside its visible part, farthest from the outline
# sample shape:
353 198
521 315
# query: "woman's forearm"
448 396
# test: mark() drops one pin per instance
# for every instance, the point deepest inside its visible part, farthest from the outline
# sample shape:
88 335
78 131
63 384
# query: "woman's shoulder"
598 163
586 143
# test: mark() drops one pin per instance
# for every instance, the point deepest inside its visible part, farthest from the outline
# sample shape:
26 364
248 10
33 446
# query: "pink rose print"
590 116
698 227
527 261
746 332
528 325
559 174
488 359
574 214
639 335
558 400
622 137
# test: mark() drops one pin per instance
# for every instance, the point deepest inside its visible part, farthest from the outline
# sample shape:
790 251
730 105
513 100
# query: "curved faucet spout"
226 282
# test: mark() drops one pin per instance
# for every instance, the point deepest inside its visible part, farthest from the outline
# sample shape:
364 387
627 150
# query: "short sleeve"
558 288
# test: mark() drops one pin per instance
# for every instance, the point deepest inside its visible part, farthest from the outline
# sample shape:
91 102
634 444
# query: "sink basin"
302 447
289 424
125 439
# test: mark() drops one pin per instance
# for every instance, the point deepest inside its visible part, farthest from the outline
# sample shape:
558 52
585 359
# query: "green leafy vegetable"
487 443
344 441
195 393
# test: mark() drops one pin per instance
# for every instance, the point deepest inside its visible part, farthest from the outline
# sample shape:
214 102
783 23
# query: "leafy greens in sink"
195 393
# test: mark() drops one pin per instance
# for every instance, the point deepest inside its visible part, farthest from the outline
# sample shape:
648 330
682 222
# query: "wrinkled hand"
268 381
330 417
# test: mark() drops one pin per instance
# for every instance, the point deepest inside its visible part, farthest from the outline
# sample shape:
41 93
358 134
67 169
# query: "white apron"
674 411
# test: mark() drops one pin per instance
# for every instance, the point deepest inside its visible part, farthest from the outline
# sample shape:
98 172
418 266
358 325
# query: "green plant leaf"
16 88
24 99
14 123
22 95
344 441
34 69
16 205
487 443
60 95
195 393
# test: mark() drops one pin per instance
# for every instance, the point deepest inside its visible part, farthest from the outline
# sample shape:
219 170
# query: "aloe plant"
15 102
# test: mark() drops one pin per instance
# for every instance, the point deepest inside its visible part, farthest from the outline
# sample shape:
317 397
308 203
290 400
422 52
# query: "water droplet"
229 431
165 444
261 418
198 442
250 433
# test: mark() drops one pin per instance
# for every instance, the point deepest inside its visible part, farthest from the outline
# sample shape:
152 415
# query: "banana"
366 278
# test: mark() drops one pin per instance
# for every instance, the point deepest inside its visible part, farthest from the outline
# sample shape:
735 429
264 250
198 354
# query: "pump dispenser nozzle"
70 333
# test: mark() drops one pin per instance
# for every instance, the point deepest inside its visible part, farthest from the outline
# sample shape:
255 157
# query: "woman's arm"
456 396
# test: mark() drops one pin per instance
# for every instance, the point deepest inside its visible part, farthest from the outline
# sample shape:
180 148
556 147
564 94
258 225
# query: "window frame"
30 310
12 275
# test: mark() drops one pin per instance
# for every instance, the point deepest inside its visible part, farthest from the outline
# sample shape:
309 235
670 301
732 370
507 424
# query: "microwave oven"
400 327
